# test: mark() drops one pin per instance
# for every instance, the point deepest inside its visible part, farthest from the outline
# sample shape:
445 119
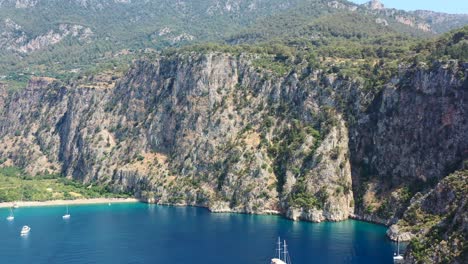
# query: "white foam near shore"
70 202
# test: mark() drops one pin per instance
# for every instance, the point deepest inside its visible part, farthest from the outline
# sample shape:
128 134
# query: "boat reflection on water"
397 258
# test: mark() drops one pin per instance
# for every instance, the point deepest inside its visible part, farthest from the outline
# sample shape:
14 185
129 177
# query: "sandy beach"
71 202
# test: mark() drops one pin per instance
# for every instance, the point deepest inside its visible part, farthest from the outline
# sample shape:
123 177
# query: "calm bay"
142 233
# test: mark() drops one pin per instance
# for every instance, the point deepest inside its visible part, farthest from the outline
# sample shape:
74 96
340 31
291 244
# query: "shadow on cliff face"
411 136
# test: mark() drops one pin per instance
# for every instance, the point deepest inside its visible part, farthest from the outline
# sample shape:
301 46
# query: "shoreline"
69 202
354 217
135 200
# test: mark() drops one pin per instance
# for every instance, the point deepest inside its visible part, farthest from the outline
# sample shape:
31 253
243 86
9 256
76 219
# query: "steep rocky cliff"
438 221
214 130
206 130
412 135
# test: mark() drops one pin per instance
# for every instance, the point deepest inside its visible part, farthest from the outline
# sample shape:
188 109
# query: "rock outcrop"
375 5
438 222
12 36
419 20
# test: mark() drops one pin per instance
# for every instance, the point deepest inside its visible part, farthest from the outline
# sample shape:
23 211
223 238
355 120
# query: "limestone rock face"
14 38
192 129
212 130
375 5
412 135
395 234
438 223
329 176
25 3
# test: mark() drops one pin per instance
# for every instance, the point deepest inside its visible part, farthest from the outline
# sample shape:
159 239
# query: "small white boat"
397 258
67 215
11 217
15 205
282 251
25 230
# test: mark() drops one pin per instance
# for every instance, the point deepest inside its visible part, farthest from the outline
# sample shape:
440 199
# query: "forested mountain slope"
60 38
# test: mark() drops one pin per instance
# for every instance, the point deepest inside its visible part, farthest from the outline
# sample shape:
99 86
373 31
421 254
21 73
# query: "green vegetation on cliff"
452 45
16 185
439 222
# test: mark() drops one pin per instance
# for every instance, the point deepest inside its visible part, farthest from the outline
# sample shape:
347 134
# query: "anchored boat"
25 230
66 215
282 251
11 217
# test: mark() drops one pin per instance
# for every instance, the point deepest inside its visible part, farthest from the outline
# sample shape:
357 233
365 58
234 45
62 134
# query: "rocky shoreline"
393 232
293 216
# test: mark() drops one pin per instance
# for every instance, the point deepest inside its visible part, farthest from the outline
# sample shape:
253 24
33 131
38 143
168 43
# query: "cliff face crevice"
213 130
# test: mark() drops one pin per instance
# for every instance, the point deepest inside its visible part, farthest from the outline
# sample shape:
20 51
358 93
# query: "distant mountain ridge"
61 29
164 22
424 20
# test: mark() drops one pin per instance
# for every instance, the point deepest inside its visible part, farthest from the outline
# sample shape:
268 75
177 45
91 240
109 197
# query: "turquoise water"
141 233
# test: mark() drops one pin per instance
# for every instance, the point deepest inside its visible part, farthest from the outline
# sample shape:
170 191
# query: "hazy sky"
447 6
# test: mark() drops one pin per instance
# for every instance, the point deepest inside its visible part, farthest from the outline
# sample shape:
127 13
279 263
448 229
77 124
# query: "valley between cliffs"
213 130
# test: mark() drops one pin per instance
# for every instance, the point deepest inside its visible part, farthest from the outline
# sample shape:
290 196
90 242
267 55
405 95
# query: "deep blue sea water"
142 233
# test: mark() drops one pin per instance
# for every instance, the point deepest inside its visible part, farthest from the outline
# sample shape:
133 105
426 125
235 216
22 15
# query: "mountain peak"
375 5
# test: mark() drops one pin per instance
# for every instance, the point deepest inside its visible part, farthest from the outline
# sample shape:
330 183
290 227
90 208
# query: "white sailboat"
25 230
286 258
11 217
397 258
67 215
